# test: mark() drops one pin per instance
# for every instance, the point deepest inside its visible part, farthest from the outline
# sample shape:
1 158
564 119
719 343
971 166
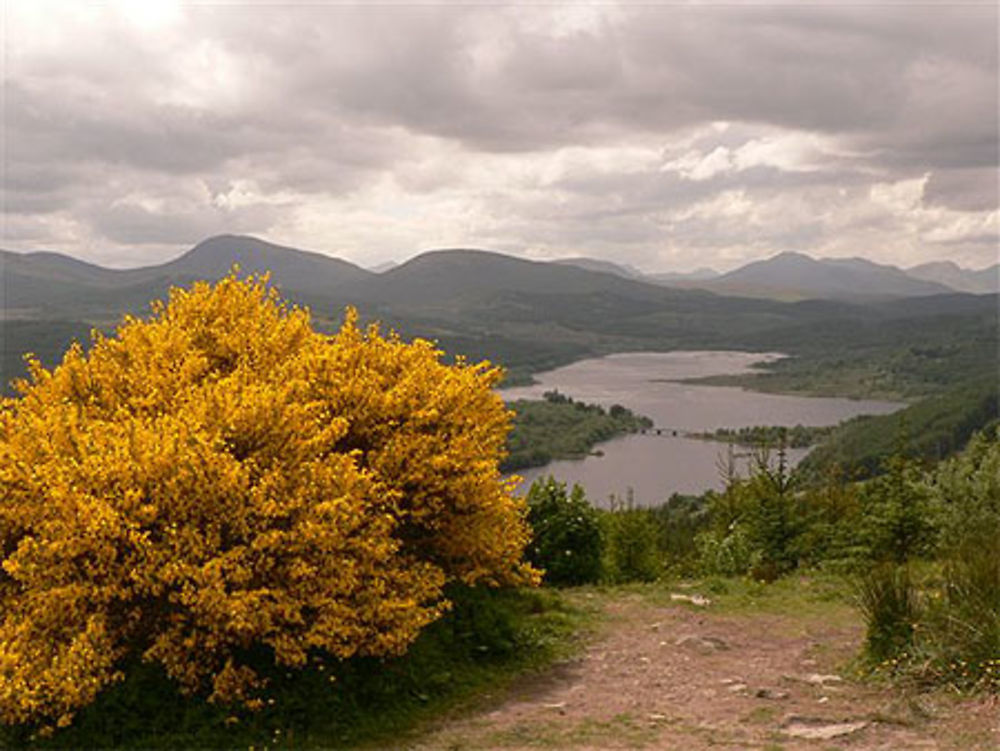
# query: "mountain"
606 267
442 274
630 272
51 285
524 314
982 281
290 268
681 276
796 276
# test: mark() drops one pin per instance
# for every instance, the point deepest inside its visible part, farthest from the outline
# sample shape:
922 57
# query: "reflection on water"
654 466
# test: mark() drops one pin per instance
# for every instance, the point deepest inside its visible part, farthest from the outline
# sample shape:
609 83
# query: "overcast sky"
667 136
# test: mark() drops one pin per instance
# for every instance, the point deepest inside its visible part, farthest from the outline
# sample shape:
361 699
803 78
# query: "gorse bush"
222 490
566 536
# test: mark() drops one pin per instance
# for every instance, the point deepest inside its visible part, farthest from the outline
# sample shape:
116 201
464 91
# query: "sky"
667 136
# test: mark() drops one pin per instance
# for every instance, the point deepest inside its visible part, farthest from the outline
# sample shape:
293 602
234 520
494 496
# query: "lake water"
652 466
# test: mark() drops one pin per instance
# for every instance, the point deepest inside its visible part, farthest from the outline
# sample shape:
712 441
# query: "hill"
795 276
700 274
50 285
290 268
982 281
596 264
525 315
932 429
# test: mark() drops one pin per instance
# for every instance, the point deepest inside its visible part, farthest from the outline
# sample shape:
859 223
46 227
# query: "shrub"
962 632
678 524
954 635
631 552
888 601
898 521
727 555
566 536
222 490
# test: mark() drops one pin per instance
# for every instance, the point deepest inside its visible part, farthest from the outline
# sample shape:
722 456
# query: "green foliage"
900 350
888 601
566 536
967 488
560 428
897 521
947 629
963 631
631 551
829 517
937 427
678 523
754 522
800 436
730 554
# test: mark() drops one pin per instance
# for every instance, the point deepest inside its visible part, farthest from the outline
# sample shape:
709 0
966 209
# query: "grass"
803 594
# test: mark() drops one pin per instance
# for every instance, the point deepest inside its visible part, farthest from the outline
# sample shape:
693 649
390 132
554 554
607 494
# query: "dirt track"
672 675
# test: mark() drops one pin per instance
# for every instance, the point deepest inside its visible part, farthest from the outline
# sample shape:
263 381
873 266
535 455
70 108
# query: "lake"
655 466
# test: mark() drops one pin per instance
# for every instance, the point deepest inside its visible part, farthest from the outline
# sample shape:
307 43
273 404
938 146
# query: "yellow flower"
222 476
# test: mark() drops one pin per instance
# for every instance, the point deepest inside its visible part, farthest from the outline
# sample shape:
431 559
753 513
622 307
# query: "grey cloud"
973 189
336 99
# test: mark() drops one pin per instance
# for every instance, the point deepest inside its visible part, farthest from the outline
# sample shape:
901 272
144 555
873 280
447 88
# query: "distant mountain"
982 281
630 272
606 267
527 315
681 276
290 268
796 276
56 286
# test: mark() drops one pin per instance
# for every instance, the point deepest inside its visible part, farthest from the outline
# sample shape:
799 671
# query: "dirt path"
671 675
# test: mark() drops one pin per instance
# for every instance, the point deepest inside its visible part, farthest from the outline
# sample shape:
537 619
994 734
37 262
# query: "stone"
818 679
696 599
771 693
814 728
702 643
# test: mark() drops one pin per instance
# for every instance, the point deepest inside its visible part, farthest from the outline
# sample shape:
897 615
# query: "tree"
221 489
566 533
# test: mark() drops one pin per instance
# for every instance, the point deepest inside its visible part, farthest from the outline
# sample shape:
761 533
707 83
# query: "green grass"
798 594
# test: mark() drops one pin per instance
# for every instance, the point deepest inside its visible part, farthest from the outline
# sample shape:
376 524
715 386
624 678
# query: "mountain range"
525 314
796 276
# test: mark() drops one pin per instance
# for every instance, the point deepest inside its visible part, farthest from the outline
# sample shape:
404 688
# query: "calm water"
656 466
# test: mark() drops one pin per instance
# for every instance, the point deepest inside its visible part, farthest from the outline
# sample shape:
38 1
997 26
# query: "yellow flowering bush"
222 480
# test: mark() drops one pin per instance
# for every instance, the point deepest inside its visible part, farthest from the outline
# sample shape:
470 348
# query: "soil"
671 674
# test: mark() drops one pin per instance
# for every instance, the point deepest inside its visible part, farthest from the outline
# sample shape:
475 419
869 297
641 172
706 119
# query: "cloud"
660 135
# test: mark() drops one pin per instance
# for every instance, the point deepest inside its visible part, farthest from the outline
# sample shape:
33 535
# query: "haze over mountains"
527 315
796 276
